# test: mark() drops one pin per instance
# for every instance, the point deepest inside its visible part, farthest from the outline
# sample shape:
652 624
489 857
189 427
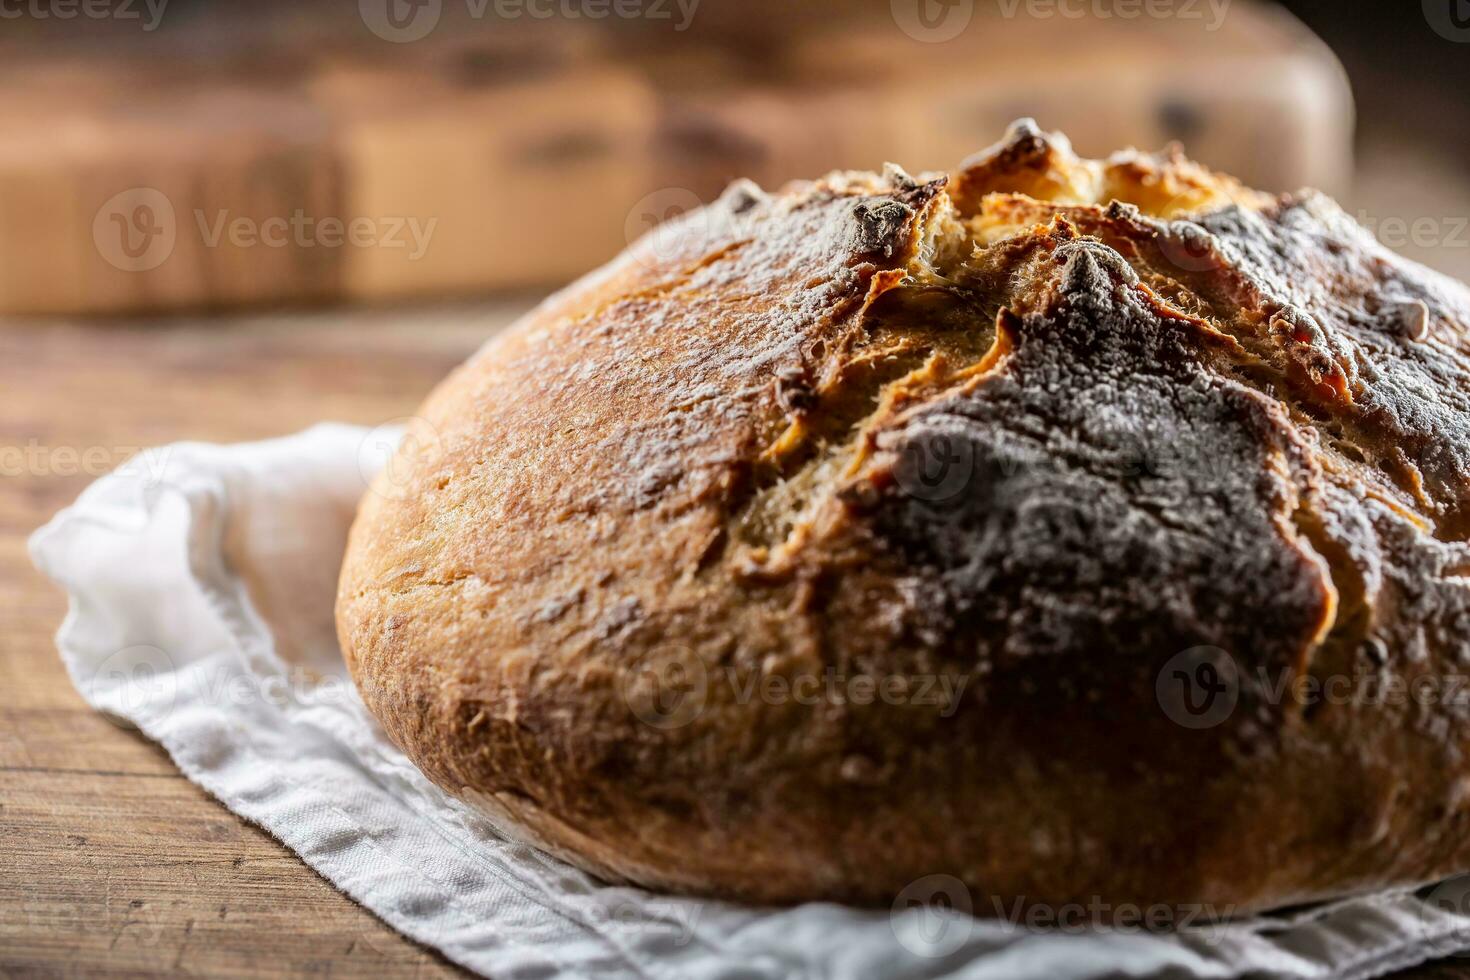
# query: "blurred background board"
278 154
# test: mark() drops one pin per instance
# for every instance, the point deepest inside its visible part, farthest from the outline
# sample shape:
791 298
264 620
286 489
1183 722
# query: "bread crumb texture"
846 534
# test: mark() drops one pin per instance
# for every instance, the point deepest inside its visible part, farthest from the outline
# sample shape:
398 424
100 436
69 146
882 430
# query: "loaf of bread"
1087 531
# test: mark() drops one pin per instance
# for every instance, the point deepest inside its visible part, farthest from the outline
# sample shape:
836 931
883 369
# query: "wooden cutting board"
271 155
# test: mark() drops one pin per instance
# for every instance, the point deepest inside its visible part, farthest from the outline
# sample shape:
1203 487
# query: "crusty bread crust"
1023 438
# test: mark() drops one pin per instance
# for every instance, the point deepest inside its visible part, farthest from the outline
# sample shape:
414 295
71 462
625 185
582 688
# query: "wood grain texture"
111 863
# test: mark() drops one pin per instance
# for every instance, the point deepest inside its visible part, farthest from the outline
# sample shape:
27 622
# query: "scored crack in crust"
835 537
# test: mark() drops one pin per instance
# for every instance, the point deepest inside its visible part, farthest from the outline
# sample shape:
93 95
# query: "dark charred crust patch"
882 226
914 193
1113 483
794 390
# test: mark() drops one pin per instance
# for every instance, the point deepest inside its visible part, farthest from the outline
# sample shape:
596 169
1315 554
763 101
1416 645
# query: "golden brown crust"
1020 438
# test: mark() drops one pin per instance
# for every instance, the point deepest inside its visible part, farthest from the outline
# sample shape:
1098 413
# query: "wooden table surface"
111 863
